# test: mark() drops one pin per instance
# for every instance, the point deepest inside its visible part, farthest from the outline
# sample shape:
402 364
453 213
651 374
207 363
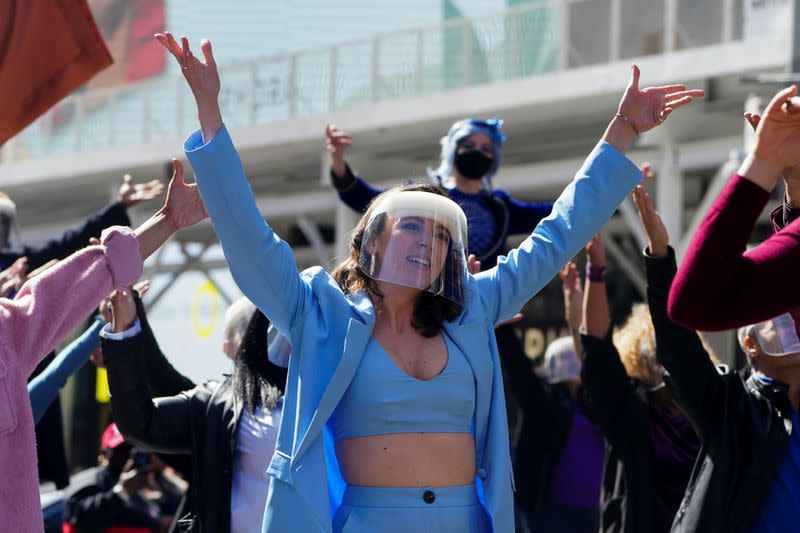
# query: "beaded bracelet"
595 273
628 122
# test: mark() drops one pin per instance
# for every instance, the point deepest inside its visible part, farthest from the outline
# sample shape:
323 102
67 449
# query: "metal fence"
526 40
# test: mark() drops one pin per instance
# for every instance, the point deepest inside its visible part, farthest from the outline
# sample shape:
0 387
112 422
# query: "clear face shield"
417 239
776 337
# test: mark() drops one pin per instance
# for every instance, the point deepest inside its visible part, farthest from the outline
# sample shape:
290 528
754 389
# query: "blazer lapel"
358 334
470 337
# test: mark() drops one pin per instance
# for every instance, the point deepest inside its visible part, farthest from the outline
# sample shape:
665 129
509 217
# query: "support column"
669 190
794 51
346 220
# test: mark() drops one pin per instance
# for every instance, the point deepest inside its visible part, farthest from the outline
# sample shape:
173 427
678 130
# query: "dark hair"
430 310
256 380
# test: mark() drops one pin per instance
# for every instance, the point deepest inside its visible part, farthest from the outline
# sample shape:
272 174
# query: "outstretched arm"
691 377
161 424
115 214
41 315
262 264
719 285
353 189
586 204
608 388
43 389
572 289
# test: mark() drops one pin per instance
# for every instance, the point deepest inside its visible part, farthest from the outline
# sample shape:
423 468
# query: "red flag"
48 48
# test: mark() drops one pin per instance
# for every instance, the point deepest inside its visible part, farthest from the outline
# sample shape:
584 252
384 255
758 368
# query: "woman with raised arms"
394 418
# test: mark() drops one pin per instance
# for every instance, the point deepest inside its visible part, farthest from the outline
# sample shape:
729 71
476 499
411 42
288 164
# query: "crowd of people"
373 397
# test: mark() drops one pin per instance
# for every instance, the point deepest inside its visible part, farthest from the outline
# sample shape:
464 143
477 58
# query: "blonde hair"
636 342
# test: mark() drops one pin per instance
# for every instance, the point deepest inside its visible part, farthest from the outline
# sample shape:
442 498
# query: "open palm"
202 76
657 236
778 131
184 206
647 108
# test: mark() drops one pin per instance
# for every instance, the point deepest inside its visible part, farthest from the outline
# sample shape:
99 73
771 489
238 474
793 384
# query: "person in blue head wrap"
470 158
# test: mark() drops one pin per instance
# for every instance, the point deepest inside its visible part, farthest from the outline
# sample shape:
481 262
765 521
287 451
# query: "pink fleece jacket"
44 311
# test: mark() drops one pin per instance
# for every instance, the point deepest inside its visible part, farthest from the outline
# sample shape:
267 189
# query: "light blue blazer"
329 331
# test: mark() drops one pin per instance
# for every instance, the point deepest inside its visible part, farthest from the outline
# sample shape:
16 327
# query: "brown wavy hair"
430 310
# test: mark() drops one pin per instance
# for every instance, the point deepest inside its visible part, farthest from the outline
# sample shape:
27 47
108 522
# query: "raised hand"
647 108
13 277
142 287
657 236
473 265
131 193
183 206
790 174
336 143
778 131
572 288
596 251
123 310
202 77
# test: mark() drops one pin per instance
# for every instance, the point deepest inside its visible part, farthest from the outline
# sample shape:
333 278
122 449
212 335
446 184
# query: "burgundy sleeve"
721 286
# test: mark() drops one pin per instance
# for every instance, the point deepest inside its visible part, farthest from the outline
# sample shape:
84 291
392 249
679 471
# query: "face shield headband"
417 239
443 175
776 337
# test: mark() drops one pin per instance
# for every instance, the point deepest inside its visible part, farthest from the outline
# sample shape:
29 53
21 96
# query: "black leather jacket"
201 421
744 425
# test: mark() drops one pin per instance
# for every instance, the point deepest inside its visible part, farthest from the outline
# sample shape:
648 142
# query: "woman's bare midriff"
408 460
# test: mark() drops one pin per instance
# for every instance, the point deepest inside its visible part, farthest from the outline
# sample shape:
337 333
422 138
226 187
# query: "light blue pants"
416 510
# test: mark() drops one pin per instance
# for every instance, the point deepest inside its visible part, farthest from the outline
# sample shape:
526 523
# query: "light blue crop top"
382 399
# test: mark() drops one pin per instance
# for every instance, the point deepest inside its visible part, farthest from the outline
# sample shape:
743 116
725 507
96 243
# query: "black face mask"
473 165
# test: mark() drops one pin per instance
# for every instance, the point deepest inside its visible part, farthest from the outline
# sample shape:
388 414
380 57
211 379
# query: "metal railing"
526 40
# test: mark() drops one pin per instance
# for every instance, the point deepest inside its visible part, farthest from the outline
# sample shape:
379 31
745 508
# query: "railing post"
615 30
180 103
79 119
253 92
670 24
419 67
512 69
376 75
146 112
291 85
112 116
565 41
466 52
334 73
727 20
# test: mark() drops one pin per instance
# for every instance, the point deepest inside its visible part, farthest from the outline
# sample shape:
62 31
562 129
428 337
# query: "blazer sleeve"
162 424
523 216
262 264
586 204
354 191
692 378
43 389
610 395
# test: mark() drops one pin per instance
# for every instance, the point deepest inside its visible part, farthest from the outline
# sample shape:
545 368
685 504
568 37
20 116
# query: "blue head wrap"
443 175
